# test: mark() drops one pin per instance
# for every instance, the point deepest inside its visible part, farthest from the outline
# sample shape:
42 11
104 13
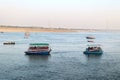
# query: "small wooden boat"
9 43
90 37
90 41
93 49
38 49
27 34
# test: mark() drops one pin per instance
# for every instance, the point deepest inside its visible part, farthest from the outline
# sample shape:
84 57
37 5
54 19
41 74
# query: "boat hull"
85 52
37 53
90 37
9 43
93 52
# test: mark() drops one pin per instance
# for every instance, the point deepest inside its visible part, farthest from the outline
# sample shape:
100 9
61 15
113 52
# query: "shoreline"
41 29
33 29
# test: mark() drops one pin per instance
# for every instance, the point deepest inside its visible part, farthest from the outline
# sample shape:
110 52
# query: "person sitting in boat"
35 47
90 48
93 48
32 48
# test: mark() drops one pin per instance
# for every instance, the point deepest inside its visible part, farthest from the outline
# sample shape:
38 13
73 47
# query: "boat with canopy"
92 47
38 48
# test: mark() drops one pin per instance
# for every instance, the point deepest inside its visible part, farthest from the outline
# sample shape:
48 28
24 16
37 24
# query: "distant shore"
33 29
41 29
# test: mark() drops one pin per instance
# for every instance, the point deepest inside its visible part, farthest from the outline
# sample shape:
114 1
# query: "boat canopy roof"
39 44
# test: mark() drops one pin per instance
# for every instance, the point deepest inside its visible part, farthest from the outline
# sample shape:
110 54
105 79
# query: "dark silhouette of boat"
90 41
93 49
90 37
9 43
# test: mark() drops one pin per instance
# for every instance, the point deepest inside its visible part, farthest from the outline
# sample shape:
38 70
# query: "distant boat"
1 32
9 43
27 34
90 41
93 49
90 37
38 49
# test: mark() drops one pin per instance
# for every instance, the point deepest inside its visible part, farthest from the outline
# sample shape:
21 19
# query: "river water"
66 62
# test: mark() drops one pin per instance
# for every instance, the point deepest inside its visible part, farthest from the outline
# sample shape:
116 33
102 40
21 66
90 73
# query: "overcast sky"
83 14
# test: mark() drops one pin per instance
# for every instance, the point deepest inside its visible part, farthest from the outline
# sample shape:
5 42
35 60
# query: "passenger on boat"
93 48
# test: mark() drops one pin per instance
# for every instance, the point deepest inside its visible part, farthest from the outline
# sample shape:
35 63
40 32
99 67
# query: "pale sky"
83 14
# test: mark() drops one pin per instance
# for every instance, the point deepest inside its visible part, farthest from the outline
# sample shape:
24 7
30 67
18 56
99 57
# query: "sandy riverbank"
31 29
37 29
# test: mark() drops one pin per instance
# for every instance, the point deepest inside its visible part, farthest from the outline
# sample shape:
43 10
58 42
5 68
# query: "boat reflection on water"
93 56
38 57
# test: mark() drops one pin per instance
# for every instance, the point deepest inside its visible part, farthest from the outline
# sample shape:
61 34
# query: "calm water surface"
66 62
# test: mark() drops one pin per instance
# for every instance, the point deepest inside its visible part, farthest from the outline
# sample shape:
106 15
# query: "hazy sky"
84 14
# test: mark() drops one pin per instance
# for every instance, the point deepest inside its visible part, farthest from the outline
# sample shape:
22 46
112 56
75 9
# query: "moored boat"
90 37
9 43
38 49
93 49
90 41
